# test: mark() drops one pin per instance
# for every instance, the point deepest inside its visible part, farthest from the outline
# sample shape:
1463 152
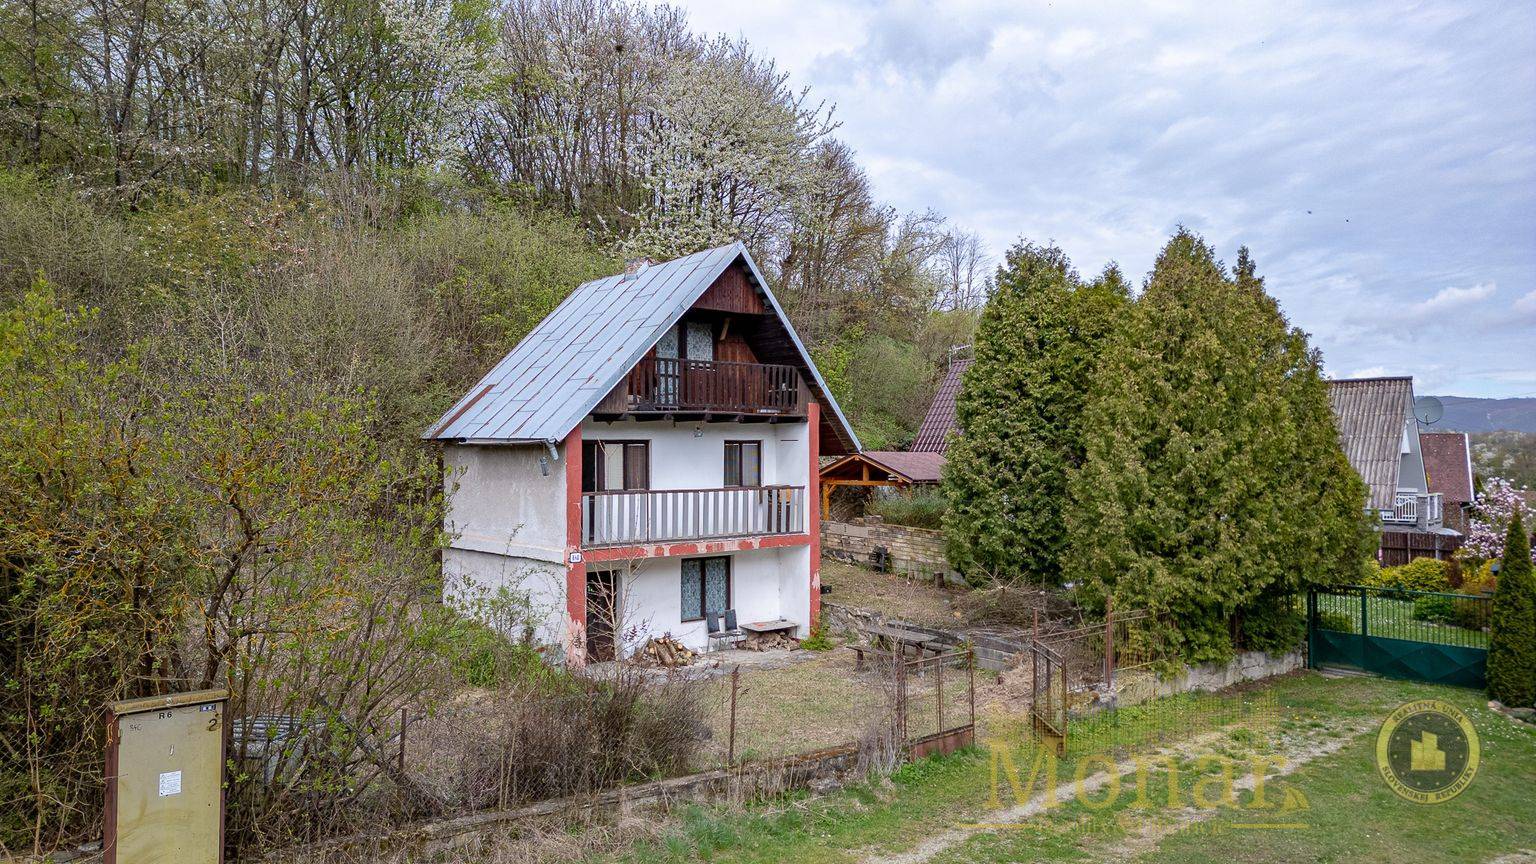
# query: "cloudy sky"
1378 158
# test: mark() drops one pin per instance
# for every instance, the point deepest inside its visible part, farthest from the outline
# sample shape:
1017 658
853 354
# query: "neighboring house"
646 455
876 470
1448 467
1380 436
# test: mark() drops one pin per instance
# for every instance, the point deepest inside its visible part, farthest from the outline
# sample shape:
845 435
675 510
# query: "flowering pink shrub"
1490 520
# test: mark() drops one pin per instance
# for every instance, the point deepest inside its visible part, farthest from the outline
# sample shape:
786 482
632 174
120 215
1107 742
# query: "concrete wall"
535 587
765 584
500 500
682 460
911 549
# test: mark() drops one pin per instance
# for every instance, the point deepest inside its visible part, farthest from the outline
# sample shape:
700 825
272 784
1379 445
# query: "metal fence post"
1109 644
730 751
938 684
971 672
1365 629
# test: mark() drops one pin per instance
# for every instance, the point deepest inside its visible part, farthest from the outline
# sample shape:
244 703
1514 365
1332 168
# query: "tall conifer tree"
1213 485
1020 408
1512 644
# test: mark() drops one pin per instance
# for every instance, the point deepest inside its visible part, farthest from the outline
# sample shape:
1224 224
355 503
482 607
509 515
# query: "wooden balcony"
639 517
1411 508
672 386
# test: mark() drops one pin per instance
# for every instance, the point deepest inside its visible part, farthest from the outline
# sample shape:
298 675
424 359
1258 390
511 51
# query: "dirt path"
1150 833
1296 750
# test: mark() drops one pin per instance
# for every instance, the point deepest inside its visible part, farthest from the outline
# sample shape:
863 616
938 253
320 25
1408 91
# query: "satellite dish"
1428 409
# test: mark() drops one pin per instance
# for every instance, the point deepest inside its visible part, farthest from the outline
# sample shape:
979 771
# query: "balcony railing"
1412 508
667 384
632 518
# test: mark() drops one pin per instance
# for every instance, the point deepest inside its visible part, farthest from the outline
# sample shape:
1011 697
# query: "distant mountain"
1466 414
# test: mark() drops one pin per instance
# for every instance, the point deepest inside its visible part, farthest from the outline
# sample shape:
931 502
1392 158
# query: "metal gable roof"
562 369
1372 415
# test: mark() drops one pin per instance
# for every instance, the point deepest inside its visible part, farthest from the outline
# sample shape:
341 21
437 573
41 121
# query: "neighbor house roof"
1371 414
559 372
939 423
1448 462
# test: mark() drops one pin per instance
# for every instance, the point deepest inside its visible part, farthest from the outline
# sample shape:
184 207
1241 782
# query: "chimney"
633 266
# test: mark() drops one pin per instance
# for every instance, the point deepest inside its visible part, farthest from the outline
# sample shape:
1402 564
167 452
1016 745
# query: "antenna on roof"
1428 410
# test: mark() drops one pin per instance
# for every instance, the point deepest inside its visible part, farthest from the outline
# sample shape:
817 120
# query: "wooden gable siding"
731 292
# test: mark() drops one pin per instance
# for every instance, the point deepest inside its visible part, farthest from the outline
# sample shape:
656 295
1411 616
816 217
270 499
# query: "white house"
646 455
1380 437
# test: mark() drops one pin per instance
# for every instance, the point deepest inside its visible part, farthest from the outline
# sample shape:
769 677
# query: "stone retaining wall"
912 549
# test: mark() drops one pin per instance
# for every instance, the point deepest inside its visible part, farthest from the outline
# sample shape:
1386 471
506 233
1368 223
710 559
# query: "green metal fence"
1417 635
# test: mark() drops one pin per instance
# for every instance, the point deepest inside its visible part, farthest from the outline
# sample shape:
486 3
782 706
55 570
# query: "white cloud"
1450 298
1370 155
1525 307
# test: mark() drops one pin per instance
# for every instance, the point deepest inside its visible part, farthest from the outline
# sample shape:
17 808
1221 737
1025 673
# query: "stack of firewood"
769 641
664 651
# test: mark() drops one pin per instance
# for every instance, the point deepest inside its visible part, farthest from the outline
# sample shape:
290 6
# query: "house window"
706 586
743 463
612 465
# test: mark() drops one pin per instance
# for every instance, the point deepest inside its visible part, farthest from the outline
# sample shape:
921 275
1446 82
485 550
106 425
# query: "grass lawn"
1338 809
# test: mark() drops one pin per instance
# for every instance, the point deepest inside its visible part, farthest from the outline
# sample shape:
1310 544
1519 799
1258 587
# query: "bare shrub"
580 735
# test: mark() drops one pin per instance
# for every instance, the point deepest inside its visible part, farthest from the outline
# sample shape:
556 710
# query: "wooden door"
602 614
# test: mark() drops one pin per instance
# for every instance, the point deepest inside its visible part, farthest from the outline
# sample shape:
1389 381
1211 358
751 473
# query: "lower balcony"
643 516
1414 508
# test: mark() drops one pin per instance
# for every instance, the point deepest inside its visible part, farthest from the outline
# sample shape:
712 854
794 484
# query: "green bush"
1337 622
481 657
1420 574
917 509
1440 610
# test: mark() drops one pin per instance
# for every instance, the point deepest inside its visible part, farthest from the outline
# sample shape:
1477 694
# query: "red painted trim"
700 547
813 486
575 574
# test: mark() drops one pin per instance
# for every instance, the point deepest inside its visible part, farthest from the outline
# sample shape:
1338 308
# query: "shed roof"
940 423
562 369
910 467
1372 414
1448 462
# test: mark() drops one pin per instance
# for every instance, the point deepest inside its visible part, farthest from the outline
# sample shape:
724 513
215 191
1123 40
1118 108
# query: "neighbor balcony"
644 516
1414 508
661 385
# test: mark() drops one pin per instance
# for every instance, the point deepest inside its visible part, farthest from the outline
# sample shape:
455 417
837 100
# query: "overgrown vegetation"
248 254
923 507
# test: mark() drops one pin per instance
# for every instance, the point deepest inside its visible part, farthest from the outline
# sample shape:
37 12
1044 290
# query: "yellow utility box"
165 780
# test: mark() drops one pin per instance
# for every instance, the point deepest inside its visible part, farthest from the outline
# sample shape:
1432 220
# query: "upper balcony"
1415 508
663 385
643 516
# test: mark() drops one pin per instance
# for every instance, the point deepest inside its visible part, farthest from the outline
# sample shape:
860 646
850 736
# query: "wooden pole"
730 752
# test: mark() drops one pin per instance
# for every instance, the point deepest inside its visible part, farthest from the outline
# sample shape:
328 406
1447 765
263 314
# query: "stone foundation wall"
912 549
